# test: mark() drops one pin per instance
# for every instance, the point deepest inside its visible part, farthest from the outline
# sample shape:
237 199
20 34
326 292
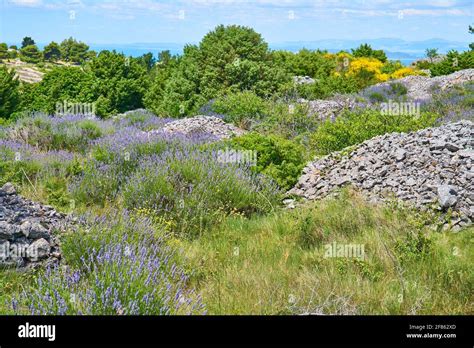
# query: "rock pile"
330 109
203 125
422 87
431 168
27 231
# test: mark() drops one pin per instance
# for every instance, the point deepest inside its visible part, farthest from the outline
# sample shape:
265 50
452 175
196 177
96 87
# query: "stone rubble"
210 125
27 231
432 168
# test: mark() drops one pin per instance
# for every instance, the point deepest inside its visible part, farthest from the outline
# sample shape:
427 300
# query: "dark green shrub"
280 159
241 108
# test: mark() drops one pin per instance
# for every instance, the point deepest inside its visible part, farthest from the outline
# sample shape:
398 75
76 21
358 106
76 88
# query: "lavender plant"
118 267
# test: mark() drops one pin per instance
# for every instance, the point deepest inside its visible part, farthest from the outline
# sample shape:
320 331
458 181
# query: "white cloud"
26 3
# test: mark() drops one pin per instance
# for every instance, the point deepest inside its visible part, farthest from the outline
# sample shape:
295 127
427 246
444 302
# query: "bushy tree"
228 59
27 41
454 61
31 54
3 51
58 85
471 31
74 51
120 80
236 58
9 92
52 52
147 60
431 53
365 50
305 63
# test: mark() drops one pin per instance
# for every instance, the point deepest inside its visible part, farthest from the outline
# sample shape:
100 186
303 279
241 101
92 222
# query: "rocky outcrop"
27 231
209 125
431 169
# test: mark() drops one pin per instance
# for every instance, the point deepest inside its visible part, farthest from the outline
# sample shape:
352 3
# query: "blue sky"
181 21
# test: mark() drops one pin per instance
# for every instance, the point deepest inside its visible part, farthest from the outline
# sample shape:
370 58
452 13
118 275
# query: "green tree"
164 57
74 51
120 80
431 53
365 50
233 58
27 41
147 60
228 59
454 61
3 51
471 31
58 85
52 52
9 92
31 54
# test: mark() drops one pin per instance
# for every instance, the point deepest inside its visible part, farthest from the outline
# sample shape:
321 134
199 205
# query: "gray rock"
34 230
9 189
447 196
38 250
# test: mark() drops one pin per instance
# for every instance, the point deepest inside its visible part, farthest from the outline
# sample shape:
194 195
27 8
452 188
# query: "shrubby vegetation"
277 157
230 62
353 128
9 92
192 225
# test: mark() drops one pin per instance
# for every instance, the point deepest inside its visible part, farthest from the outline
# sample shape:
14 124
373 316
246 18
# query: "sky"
187 21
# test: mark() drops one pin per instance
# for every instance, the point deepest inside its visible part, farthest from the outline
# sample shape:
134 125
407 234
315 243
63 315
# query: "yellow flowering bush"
370 65
404 72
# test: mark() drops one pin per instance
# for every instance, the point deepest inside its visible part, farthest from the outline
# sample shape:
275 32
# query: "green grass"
277 265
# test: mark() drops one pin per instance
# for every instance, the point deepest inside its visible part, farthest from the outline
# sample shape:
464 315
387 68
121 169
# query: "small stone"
400 155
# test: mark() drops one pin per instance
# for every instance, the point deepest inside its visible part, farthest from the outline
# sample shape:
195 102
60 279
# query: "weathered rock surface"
27 230
431 168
